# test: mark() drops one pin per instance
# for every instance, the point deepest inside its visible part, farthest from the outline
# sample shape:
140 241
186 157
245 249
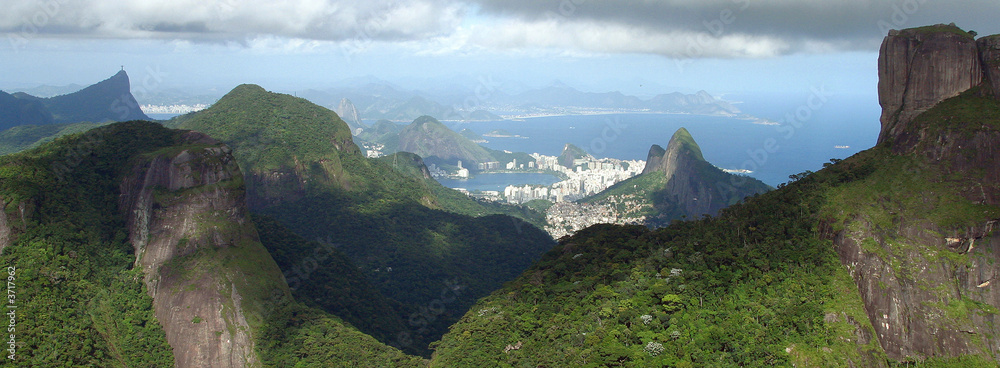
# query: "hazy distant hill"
45 91
378 99
436 143
41 119
108 100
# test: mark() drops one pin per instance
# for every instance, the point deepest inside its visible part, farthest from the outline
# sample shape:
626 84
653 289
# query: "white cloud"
674 28
614 38
222 20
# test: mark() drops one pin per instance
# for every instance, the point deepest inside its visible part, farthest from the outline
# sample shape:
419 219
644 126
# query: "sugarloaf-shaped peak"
681 147
349 113
682 141
571 153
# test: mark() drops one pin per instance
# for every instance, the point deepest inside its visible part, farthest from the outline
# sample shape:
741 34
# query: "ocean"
796 133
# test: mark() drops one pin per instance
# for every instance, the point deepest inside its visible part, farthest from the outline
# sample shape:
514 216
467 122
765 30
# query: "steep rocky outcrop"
920 67
351 116
989 55
925 261
653 158
691 185
681 152
5 230
108 100
13 223
210 278
921 302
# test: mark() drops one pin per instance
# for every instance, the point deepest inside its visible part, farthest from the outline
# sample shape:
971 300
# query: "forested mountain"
130 245
413 243
886 258
134 245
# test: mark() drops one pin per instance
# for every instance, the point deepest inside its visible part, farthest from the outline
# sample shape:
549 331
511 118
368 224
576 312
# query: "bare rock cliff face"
11 224
919 300
920 67
989 55
349 113
653 158
931 290
208 274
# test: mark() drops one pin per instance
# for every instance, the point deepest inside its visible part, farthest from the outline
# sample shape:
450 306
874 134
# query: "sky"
639 47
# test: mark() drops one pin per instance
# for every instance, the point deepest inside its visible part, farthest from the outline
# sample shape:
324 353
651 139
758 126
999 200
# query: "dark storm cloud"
851 24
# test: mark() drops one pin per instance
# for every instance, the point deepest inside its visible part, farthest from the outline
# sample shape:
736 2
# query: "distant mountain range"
374 99
377 99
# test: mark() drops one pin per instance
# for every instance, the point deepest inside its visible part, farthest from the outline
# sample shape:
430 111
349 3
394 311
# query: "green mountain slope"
22 137
66 247
340 288
816 273
80 300
402 232
734 290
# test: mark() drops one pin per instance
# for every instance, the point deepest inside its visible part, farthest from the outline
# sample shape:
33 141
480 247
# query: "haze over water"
730 143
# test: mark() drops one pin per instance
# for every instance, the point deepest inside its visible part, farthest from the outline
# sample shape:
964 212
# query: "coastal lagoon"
499 181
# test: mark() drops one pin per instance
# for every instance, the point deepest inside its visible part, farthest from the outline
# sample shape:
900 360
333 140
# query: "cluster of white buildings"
172 109
587 177
373 150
